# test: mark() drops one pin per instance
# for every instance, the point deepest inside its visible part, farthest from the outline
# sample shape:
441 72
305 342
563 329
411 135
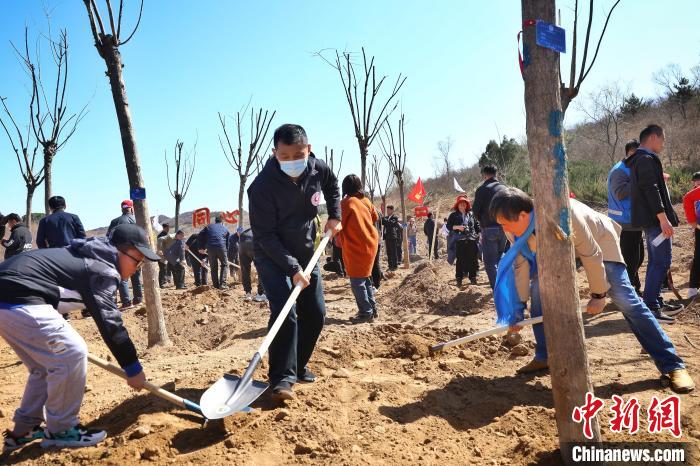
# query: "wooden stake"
433 245
563 326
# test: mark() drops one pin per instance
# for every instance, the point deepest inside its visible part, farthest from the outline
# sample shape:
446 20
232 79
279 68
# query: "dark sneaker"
662 318
362 318
75 437
375 313
472 281
459 283
137 301
306 376
672 309
126 305
282 392
223 287
14 443
535 365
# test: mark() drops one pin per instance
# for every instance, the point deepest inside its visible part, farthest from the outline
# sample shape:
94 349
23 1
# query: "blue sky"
191 59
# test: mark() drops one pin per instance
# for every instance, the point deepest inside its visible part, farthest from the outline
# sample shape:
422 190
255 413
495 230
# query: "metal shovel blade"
229 395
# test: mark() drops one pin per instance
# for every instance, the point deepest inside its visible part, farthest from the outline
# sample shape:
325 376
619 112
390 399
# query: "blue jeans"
364 295
493 245
412 245
291 349
640 319
136 284
657 268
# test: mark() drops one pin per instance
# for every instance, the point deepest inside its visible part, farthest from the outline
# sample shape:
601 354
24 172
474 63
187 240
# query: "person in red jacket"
691 205
359 241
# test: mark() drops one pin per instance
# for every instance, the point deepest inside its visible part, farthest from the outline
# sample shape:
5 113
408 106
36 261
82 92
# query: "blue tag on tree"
551 36
138 194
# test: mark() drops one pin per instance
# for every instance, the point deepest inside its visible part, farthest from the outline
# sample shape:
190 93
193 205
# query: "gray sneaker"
74 437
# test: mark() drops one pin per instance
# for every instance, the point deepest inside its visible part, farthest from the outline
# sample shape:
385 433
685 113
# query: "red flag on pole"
417 194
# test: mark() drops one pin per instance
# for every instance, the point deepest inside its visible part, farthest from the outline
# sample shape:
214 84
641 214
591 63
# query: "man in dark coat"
214 238
392 236
493 240
652 210
59 228
127 218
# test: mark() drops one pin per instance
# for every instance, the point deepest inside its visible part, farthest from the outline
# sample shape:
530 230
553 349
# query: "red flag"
417 194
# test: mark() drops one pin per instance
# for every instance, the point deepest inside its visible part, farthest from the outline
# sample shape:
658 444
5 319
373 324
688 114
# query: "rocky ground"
380 397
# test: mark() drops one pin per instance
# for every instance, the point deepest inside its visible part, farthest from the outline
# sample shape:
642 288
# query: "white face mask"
294 168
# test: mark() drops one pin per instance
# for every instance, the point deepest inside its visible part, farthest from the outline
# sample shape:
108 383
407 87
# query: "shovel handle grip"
197 259
293 297
159 392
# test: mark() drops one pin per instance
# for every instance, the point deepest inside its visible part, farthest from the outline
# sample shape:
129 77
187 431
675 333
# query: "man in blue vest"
620 210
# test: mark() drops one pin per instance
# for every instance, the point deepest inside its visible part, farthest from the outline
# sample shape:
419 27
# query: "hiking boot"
533 366
672 309
662 318
261 298
362 318
681 381
306 376
282 392
12 442
692 292
75 437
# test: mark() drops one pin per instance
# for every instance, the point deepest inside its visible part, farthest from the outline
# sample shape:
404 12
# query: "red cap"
127 203
462 198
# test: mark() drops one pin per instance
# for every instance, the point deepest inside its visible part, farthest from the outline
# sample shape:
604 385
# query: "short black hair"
290 134
219 218
696 176
430 215
165 225
488 170
509 202
649 130
390 207
631 144
352 184
13 216
179 232
57 202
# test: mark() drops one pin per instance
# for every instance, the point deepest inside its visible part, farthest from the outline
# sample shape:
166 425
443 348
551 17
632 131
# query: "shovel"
159 392
484 333
232 394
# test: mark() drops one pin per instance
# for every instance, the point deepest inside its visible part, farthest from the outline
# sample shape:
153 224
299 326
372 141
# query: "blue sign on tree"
138 194
550 35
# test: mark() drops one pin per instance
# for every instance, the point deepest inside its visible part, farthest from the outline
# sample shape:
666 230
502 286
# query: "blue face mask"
294 168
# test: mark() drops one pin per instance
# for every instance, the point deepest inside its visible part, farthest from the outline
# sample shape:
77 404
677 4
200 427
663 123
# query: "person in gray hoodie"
38 286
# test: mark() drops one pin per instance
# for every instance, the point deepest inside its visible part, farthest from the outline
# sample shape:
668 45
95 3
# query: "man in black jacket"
35 288
429 230
652 210
197 262
127 218
493 240
284 200
392 237
59 228
20 239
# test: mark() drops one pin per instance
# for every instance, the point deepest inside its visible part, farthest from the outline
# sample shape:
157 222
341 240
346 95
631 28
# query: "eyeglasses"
139 263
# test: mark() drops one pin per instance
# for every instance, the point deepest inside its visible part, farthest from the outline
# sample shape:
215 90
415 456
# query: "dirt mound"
410 346
430 287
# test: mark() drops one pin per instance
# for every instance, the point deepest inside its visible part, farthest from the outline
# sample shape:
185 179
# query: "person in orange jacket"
691 205
359 241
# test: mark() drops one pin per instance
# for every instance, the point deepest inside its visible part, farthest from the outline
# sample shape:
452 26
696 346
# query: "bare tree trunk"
241 192
48 180
406 254
364 151
28 211
178 201
563 326
157 333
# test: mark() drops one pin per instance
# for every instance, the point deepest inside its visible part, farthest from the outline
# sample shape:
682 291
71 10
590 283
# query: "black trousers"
695 267
430 246
399 250
632 247
391 254
164 271
178 275
467 259
338 257
377 269
246 256
200 273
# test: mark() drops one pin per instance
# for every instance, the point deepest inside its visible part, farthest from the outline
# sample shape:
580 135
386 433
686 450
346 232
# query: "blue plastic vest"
619 210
